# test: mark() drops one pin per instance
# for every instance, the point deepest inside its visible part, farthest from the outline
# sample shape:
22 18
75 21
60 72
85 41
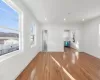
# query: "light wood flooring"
68 65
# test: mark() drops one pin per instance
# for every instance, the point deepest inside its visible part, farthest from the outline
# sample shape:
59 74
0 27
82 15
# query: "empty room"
49 39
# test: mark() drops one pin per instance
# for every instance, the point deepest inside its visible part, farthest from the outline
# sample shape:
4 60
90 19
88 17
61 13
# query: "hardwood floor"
69 65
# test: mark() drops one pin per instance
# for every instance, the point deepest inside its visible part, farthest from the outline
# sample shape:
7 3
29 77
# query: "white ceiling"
56 10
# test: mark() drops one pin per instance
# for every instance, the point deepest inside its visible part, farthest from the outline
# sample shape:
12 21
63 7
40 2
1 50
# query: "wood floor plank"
68 65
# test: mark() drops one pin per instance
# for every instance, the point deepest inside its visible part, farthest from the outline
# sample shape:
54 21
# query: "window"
9 29
99 34
33 34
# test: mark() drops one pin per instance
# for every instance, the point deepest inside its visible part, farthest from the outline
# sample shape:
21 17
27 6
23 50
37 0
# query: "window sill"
9 55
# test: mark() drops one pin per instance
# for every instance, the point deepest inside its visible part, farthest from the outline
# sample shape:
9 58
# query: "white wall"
91 37
12 64
55 35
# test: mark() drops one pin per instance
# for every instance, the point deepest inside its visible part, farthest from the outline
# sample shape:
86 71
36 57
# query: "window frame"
99 35
33 25
20 30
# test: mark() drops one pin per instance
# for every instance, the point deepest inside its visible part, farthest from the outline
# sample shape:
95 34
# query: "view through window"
9 29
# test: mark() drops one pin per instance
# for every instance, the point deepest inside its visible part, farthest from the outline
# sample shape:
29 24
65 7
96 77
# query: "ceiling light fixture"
64 19
82 19
45 18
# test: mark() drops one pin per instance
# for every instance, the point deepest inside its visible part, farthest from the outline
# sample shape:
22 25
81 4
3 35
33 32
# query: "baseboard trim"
89 54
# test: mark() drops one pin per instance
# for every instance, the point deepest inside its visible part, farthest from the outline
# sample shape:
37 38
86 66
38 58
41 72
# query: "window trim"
20 30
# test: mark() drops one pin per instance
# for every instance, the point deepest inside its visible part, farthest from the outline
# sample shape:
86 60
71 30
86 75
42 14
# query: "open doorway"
67 39
44 40
71 39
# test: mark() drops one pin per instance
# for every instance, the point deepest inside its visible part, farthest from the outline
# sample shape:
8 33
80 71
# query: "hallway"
69 65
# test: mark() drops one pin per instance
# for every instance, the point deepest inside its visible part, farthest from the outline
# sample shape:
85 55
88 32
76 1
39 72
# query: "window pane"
33 31
8 16
9 41
9 30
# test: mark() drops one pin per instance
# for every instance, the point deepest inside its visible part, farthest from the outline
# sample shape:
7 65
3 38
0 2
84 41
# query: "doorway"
44 40
67 39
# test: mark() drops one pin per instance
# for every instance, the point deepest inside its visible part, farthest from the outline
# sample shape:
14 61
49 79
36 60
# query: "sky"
8 17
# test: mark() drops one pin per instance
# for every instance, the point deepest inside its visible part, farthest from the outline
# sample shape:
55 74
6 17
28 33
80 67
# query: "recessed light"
45 18
64 19
82 19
